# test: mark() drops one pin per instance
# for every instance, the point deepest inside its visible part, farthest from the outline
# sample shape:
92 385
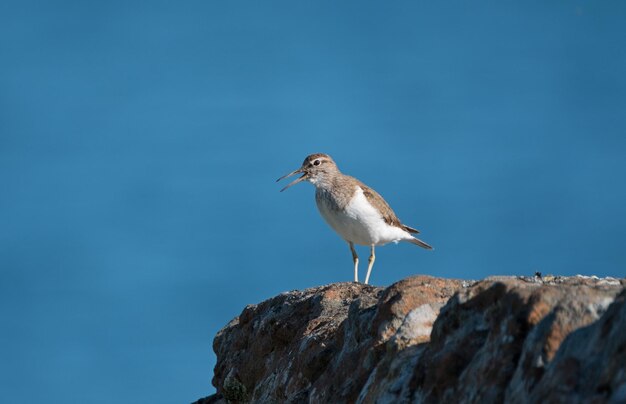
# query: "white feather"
360 222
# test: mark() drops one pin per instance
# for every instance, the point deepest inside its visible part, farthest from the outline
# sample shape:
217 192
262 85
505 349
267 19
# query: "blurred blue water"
139 145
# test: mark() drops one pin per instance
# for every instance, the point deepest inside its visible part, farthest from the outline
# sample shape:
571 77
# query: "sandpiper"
354 210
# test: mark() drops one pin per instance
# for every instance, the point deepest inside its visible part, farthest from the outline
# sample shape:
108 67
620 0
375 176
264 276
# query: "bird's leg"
355 259
371 264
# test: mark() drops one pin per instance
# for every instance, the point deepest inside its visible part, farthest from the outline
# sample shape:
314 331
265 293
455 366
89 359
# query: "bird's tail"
419 242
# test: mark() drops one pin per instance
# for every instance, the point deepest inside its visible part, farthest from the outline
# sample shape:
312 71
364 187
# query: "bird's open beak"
298 171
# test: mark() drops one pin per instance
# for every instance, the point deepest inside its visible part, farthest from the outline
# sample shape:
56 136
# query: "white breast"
360 222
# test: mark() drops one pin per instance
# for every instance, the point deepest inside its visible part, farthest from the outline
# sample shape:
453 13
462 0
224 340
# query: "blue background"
140 142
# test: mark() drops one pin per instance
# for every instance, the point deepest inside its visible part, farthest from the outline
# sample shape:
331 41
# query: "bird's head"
315 168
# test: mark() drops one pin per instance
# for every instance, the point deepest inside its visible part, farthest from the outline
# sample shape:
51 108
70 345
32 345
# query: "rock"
426 339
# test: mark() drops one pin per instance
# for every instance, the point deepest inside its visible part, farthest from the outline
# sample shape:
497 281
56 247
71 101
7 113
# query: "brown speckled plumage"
355 211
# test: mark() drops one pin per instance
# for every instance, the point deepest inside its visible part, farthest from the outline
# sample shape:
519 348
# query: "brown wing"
379 203
388 214
410 229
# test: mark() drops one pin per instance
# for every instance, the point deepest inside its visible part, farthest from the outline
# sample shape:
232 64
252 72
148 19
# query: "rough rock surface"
425 339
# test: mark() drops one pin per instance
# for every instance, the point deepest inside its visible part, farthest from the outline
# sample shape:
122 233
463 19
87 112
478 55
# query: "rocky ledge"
425 339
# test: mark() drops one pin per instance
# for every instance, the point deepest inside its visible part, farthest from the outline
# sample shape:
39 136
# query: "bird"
352 209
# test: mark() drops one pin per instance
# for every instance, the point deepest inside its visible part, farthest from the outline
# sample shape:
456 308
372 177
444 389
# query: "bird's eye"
316 163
